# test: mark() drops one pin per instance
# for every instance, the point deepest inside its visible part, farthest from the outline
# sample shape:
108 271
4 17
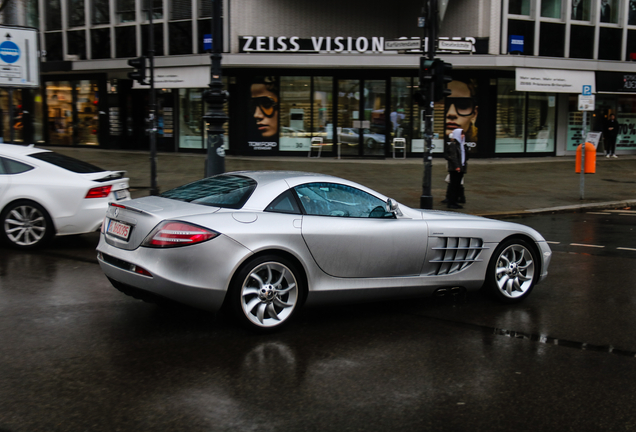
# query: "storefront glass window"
511 114
551 9
349 119
375 122
541 122
59 99
38 116
580 10
626 118
17 119
581 42
609 11
400 117
87 125
322 110
631 17
519 7
295 113
53 43
191 118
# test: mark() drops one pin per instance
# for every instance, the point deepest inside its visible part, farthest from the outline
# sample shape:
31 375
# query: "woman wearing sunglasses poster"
461 114
461 110
264 108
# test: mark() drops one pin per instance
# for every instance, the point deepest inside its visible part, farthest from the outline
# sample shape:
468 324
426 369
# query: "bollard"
590 158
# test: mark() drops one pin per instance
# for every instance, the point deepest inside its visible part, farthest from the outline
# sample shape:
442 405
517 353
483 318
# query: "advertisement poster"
263 114
461 111
626 139
575 129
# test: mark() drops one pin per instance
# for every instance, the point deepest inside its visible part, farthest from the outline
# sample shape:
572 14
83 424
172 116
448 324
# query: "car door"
350 234
5 179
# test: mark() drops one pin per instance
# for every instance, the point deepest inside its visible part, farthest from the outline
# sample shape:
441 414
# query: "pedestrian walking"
455 154
611 132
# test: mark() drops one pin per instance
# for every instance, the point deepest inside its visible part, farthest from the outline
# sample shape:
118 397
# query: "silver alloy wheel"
514 271
25 225
269 294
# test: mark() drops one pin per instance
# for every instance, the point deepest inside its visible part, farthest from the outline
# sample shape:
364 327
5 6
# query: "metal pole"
152 117
582 185
215 97
430 32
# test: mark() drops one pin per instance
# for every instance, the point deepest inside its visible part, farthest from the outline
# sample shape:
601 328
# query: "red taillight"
171 234
99 192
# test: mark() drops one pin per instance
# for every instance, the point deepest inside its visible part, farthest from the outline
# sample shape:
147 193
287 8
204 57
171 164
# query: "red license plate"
118 229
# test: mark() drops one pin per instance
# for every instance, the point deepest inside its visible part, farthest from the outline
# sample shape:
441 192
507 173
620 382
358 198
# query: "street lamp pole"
215 97
429 11
152 115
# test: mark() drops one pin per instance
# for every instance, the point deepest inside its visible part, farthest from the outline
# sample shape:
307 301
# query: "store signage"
516 44
553 80
179 77
349 44
19 62
616 82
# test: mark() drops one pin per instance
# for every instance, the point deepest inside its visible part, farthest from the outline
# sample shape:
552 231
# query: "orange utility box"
590 158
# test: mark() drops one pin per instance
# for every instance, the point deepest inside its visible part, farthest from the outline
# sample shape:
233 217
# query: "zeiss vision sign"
19 65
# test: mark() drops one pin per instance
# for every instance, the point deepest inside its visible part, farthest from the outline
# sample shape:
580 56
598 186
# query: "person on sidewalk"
455 154
611 132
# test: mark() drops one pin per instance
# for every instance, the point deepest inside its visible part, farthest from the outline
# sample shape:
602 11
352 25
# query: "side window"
285 203
14 167
2 169
331 199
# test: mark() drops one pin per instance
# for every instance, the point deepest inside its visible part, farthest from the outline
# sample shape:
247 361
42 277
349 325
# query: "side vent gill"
452 254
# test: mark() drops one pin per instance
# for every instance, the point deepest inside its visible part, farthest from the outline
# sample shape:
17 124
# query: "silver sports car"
264 243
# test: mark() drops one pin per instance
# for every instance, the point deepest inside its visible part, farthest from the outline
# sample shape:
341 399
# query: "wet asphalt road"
77 355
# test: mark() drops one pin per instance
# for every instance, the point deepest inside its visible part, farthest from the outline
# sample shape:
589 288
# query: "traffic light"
426 71
139 74
442 77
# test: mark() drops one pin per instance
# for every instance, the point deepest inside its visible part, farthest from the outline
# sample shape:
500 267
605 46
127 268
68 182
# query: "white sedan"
44 193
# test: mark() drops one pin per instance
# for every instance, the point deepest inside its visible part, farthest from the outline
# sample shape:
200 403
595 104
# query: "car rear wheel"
266 293
513 271
25 225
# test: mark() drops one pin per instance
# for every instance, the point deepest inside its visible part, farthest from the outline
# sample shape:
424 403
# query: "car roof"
20 150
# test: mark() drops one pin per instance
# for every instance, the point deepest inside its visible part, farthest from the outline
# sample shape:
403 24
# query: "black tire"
266 293
513 271
371 143
25 225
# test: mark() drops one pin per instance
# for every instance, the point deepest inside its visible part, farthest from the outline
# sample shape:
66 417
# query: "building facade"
341 73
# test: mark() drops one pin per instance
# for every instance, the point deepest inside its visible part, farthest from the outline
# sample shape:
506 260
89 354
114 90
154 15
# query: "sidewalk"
494 187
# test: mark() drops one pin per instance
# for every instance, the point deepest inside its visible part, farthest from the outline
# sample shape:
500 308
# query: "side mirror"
393 207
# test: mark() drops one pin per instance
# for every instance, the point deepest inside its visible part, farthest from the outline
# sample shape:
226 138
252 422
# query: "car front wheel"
513 271
266 293
25 225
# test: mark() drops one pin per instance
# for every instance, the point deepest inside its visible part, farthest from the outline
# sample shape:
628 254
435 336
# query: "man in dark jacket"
455 154
610 134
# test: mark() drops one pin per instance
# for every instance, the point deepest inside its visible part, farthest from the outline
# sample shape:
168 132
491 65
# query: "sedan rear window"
227 191
67 162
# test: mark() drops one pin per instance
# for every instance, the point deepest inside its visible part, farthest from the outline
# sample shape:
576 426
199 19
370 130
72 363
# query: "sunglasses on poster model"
464 106
266 104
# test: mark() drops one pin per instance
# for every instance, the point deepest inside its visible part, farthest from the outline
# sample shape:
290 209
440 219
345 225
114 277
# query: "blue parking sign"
587 90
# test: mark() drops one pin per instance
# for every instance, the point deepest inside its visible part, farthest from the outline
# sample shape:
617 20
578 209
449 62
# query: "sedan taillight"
99 192
172 234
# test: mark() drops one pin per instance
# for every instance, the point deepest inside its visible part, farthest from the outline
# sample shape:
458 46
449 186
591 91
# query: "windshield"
227 191
67 162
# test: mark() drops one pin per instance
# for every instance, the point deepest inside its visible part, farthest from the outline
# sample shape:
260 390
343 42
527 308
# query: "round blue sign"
9 52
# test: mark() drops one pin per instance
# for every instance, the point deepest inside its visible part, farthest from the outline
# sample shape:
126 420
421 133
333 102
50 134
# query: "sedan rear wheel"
513 271
266 293
25 225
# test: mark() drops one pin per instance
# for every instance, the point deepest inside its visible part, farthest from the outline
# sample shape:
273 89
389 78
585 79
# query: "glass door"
374 124
349 120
